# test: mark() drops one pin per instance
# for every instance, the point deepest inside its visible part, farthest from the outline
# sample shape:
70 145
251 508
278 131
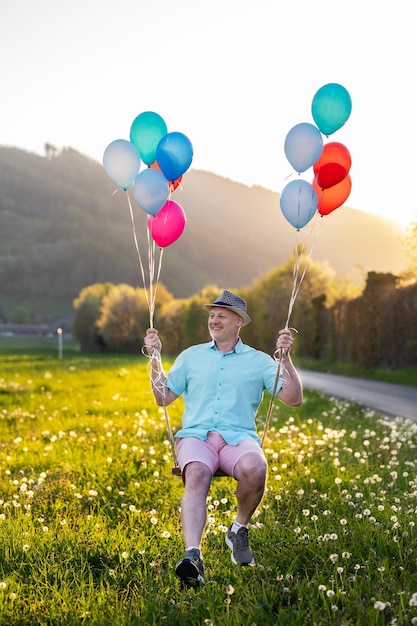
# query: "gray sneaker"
239 545
190 568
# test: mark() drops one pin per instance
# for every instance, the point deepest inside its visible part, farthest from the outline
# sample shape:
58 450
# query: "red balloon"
168 224
171 186
333 165
332 197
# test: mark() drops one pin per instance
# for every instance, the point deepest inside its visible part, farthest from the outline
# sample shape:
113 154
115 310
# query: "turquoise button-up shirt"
222 392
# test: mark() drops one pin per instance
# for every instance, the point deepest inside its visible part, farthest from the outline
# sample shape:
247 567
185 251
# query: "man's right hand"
152 341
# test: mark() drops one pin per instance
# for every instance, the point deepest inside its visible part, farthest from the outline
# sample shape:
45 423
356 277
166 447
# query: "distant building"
27 330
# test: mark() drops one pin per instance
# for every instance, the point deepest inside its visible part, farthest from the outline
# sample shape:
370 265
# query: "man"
223 383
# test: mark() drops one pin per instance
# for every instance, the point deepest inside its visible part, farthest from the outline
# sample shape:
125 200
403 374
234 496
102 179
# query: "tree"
410 244
87 312
123 318
20 315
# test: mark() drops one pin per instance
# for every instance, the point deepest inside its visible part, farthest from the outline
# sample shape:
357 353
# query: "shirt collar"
239 347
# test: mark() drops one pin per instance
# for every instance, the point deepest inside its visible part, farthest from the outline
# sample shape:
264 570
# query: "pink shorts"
214 452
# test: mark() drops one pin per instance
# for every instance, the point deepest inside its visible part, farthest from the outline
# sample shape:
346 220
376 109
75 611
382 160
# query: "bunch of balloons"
304 148
167 156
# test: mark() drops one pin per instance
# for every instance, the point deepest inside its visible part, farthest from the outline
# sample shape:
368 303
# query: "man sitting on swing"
223 383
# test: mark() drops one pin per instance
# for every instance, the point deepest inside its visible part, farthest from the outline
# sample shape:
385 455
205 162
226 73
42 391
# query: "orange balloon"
171 186
333 165
332 197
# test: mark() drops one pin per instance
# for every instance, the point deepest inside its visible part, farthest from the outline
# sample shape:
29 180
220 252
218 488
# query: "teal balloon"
174 155
303 146
146 132
331 107
299 203
121 162
150 190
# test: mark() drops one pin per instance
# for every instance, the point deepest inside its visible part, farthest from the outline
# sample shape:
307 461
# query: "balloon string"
297 278
159 384
153 284
150 297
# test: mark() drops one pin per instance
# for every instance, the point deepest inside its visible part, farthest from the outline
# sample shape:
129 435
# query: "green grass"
89 512
405 376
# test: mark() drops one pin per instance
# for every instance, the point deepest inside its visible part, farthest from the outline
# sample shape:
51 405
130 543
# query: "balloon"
333 197
146 131
174 155
303 146
121 162
333 165
298 203
150 190
331 107
168 224
172 186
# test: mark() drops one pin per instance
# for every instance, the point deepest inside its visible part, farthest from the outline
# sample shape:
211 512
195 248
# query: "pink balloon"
168 224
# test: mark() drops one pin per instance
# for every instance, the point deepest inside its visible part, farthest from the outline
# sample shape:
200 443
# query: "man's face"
223 324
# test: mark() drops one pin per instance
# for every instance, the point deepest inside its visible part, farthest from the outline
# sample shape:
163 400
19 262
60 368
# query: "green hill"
62 227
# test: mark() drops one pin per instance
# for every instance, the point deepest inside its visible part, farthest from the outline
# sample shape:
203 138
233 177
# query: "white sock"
195 548
236 526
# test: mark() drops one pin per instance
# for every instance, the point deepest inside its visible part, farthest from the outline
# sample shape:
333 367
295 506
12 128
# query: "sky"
234 76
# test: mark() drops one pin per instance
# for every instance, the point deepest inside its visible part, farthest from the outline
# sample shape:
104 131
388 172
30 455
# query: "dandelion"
334 558
25 547
343 522
330 593
3 584
322 587
125 554
230 590
379 605
154 520
413 600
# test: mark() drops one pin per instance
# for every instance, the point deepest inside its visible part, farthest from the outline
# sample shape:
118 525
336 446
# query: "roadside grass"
404 376
89 512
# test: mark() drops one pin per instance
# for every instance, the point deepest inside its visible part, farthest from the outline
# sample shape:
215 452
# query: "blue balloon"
331 107
299 203
174 155
303 146
150 190
121 162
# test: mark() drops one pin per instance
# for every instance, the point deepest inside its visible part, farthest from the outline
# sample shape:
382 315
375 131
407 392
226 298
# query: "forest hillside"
63 227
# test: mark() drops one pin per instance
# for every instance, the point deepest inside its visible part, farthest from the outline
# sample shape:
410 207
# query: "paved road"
386 398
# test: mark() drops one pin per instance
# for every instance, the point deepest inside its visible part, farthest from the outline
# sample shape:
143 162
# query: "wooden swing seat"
176 471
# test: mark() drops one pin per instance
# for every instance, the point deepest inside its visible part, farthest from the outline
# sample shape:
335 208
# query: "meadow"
89 511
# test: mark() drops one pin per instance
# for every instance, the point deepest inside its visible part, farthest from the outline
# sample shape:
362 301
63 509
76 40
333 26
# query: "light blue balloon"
331 107
150 190
303 146
121 162
174 155
299 203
